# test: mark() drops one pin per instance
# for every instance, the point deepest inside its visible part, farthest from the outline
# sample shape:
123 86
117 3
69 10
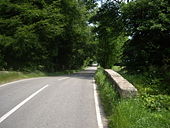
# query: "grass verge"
8 76
128 113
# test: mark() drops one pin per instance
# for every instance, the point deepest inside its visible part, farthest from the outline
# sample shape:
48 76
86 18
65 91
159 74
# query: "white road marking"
21 104
2 85
99 119
19 81
64 78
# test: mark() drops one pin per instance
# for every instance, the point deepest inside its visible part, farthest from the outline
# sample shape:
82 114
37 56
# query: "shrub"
156 102
132 113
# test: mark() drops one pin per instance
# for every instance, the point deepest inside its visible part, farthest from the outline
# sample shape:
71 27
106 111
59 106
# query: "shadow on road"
85 74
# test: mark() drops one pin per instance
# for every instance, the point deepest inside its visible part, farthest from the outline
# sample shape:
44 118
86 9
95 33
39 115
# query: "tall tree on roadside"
43 34
108 30
147 22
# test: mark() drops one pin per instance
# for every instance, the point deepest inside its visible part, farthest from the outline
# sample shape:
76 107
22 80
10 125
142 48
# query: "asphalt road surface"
50 102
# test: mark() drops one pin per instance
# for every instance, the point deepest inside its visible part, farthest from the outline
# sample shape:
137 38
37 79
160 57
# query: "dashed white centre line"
64 78
21 104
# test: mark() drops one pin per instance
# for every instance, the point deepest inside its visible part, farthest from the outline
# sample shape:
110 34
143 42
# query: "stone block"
125 89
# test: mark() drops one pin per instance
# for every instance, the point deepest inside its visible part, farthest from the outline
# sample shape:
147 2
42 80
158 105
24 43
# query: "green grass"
131 113
151 88
8 76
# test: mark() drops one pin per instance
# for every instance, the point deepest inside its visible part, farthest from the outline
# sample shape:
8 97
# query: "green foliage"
110 35
154 94
132 114
107 95
146 21
44 35
146 50
26 41
156 102
5 44
7 76
145 58
145 111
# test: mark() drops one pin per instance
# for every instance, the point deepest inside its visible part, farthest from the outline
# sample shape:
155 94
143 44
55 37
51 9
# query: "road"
50 102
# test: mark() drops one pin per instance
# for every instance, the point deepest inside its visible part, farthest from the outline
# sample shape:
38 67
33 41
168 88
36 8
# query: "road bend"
50 102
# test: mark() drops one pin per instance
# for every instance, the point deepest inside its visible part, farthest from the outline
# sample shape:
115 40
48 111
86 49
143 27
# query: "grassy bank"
8 76
139 112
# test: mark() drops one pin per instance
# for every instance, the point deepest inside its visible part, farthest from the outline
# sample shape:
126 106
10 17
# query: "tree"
108 30
43 35
147 22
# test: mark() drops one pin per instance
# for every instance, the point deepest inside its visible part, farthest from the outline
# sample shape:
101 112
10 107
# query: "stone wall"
124 88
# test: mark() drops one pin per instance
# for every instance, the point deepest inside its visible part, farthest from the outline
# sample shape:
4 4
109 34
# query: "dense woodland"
45 35
135 35
142 27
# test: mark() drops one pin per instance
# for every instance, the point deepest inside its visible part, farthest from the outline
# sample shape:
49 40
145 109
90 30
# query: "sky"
99 3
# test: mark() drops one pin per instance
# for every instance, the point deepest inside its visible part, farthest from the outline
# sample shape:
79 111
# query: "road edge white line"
21 104
98 113
17 81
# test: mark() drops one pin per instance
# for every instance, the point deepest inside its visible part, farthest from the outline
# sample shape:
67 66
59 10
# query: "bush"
156 102
132 113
